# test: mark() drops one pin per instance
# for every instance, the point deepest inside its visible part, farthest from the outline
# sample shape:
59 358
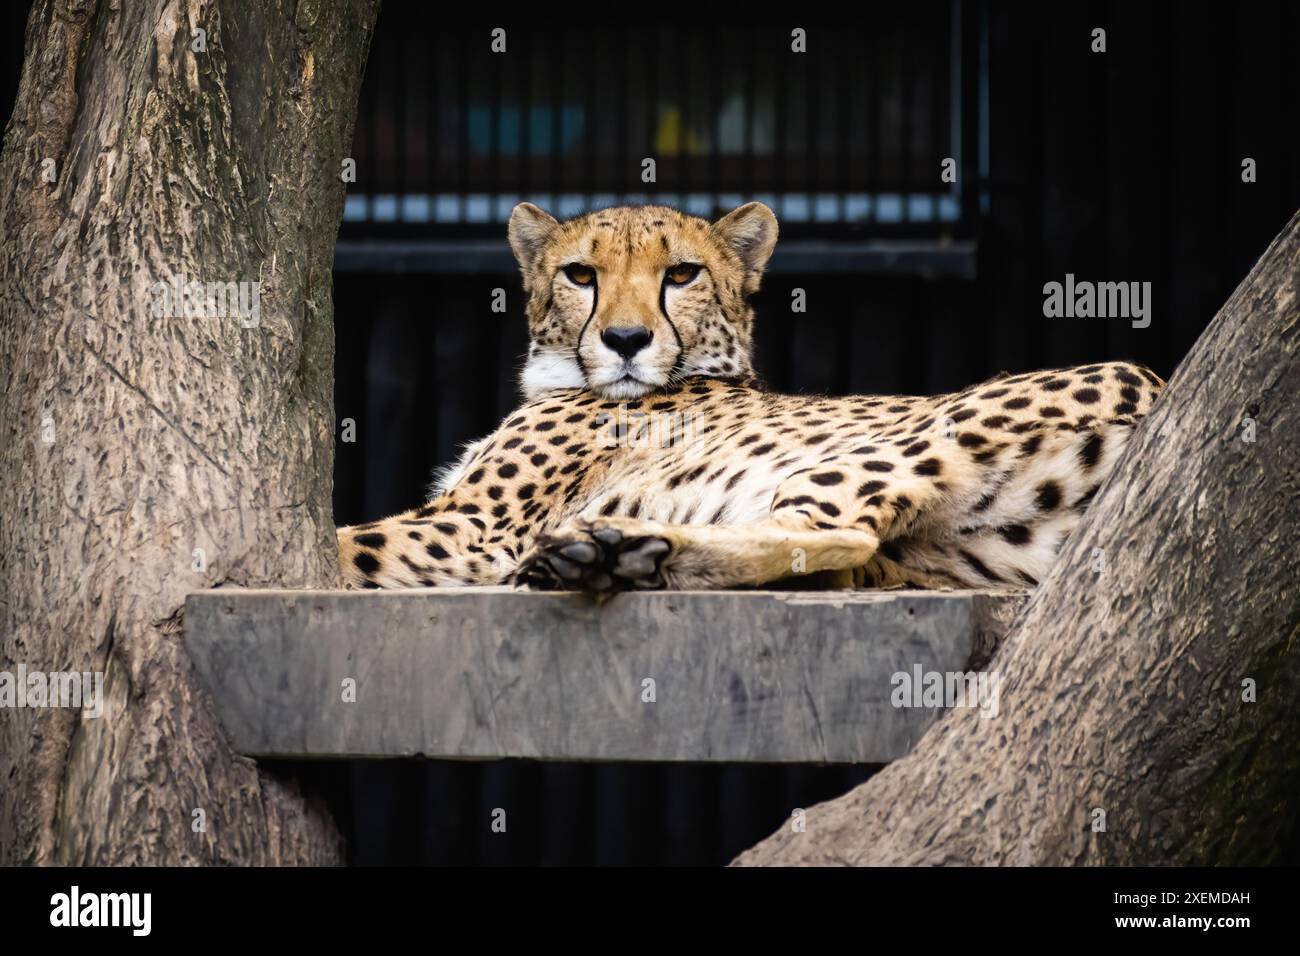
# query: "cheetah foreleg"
609 554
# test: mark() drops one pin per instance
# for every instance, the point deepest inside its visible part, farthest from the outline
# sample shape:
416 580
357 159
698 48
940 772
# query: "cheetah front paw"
594 557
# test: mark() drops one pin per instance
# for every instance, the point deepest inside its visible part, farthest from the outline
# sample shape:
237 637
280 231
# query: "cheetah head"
631 299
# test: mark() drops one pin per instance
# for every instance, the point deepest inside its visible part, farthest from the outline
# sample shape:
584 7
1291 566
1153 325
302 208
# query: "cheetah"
648 455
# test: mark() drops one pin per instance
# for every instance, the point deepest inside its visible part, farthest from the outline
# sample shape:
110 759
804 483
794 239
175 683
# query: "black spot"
366 562
1015 534
881 466
1055 384
870 488
911 451
979 566
1150 376
1049 496
794 502
1030 445
1016 403
1082 503
1087 396
825 478
495 492
1090 453
735 479
929 467
508 470
762 450
1051 411
374 540
475 476
436 550
610 507
891 550
527 491
970 440
828 508
964 414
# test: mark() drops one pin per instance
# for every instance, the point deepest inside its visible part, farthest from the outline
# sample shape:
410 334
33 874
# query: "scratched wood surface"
482 673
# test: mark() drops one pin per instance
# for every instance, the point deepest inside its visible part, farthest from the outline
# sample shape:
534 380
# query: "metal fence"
845 139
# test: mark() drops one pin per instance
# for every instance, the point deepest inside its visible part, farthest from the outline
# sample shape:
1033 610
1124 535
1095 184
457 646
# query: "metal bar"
558 39
971 14
748 69
717 73
906 146
624 152
463 62
653 46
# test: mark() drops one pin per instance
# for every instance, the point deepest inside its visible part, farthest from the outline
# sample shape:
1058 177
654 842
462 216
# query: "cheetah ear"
529 229
751 233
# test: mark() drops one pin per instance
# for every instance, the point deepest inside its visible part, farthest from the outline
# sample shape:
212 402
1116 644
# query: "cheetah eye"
683 273
580 275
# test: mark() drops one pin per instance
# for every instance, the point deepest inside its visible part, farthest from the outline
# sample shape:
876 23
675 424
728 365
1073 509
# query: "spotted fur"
670 466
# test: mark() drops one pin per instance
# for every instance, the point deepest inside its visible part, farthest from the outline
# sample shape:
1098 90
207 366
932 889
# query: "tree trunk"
149 452
1125 684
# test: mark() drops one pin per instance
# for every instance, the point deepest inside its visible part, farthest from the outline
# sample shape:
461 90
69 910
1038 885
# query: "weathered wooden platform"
484 673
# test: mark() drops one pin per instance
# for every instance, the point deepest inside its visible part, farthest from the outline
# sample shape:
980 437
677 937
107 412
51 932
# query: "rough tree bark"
1122 690
191 141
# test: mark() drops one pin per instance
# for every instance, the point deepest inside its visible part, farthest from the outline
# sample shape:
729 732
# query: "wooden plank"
484 673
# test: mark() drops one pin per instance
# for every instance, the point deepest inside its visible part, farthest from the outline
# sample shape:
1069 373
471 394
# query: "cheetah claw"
596 559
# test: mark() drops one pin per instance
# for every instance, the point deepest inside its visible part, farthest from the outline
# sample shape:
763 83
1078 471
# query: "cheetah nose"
626 340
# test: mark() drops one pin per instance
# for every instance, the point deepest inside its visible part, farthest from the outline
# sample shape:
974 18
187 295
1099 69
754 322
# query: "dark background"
1115 166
